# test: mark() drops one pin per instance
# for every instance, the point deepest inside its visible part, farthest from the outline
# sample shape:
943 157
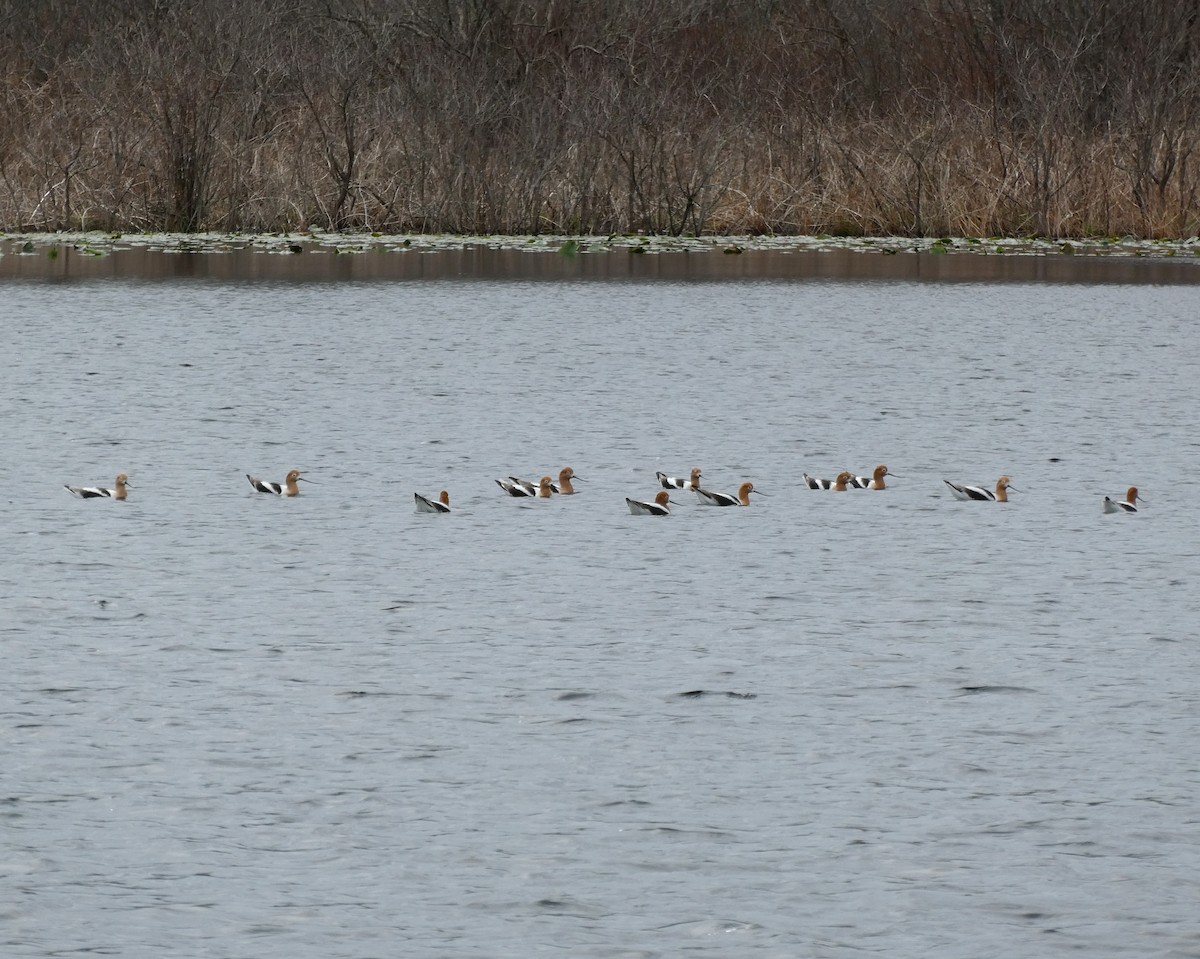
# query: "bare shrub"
603 116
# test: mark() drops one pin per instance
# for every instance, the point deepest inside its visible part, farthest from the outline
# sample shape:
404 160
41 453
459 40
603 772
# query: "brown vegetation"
922 117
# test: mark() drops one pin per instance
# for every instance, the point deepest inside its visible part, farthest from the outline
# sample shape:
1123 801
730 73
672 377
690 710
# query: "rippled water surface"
829 725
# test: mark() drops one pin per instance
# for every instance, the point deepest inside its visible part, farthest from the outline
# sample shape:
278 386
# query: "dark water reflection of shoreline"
484 263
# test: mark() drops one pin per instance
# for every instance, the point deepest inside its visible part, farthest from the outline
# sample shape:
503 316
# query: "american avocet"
427 505
92 492
516 487
709 498
658 508
563 486
874 481
979 492
676 482
1129 506
287 487
838 485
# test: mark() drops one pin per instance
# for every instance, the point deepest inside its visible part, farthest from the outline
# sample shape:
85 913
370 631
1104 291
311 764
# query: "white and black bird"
97 492
839 484
709 498
520 488
874 481
287 488
1128 506
982 493
659 507
677 482
427 505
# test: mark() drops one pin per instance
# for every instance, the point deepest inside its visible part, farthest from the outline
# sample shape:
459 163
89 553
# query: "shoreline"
319 241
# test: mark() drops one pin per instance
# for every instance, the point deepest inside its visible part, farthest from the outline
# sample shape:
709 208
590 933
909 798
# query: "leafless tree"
680 116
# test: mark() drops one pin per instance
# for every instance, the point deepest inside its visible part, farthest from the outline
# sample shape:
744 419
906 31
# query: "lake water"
830 725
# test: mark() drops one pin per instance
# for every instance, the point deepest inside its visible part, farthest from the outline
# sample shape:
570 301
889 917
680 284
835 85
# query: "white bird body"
520 488
1128 506
517 487
874 481
1000 495
563 486
658 508
838 485
427 505
98 492
287 488
676 482
709 498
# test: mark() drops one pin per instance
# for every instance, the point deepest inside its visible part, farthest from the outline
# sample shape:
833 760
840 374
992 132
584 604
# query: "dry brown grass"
934 117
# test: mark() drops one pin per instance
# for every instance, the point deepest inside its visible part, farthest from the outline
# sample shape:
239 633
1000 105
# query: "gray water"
829 725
